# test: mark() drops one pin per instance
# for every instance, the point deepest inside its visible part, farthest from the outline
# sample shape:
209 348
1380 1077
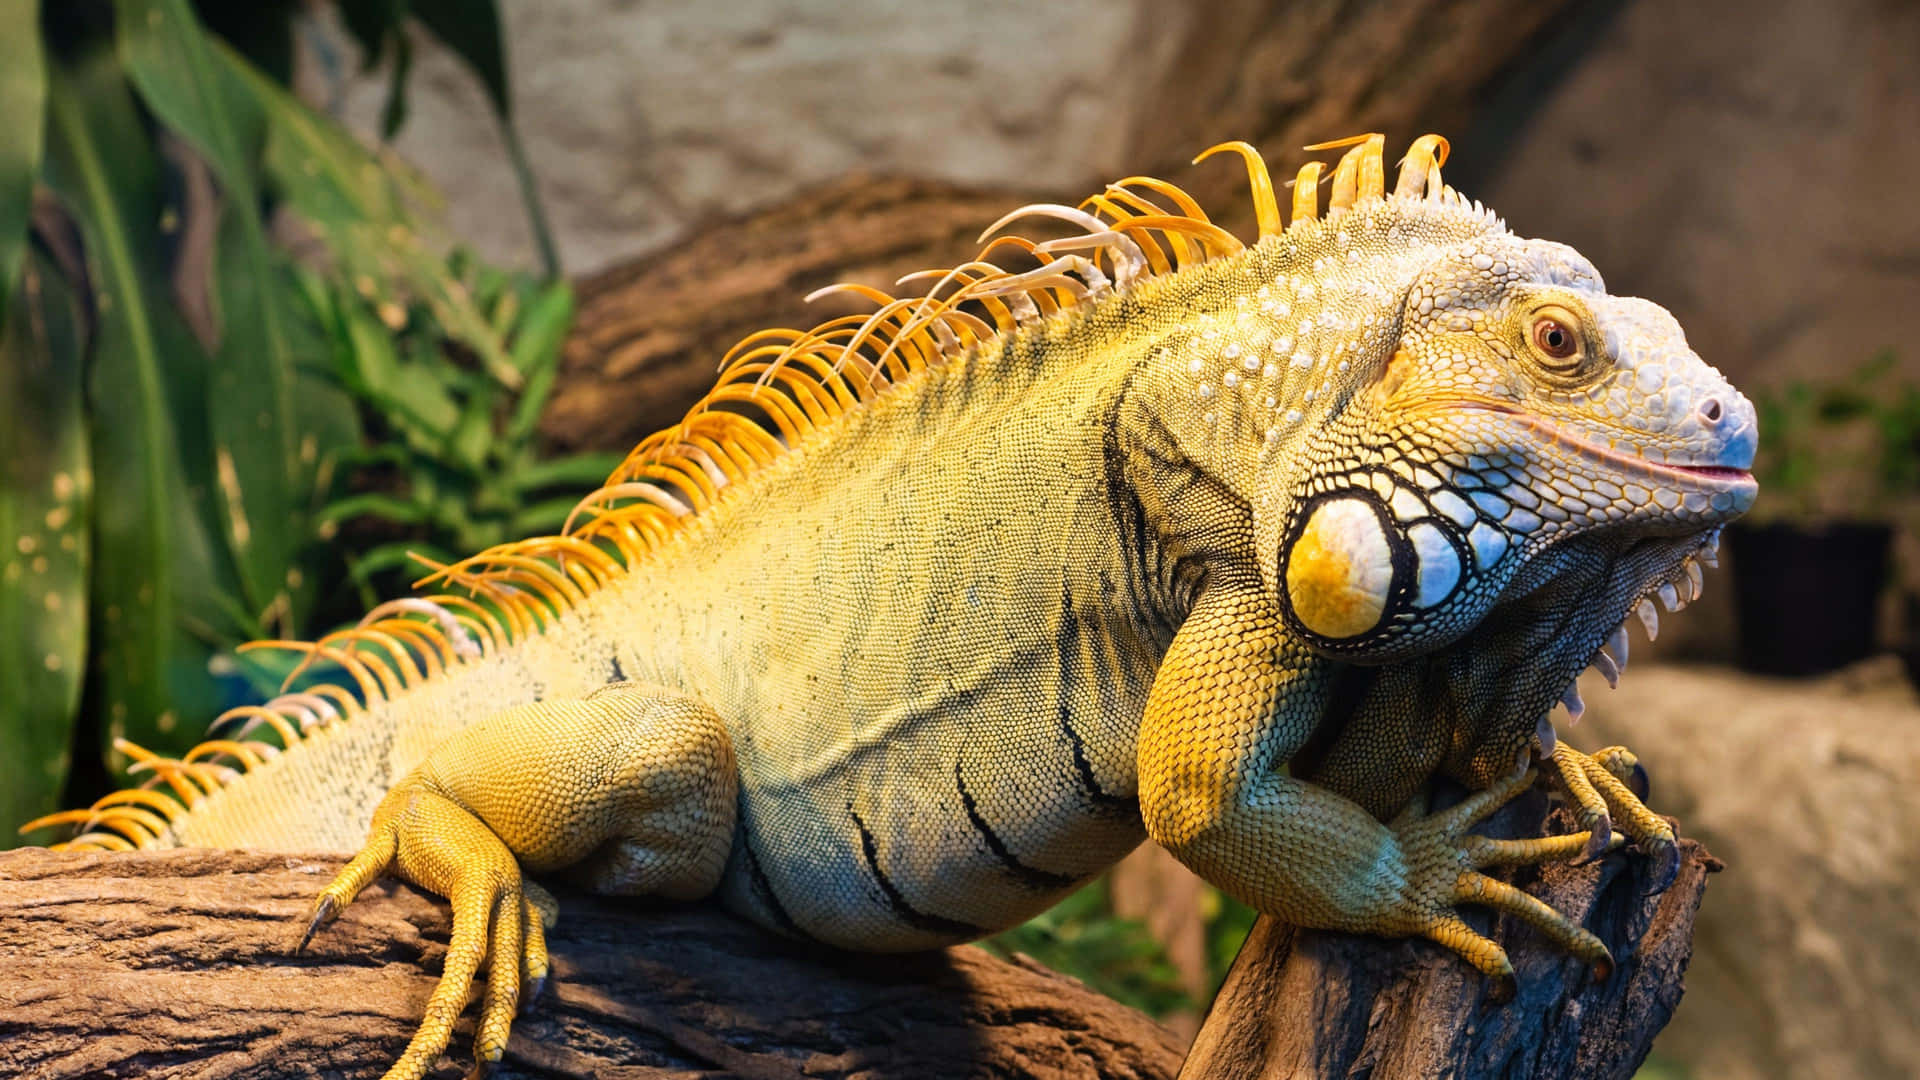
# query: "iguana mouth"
1708 477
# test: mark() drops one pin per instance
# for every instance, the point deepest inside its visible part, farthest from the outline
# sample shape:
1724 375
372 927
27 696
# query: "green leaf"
252 414
542 518
1118 957
365 207
374 504
45 506
471 28
153 569
23 96
536 353
582 471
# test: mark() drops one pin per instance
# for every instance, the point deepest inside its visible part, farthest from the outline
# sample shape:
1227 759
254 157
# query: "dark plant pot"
1807 600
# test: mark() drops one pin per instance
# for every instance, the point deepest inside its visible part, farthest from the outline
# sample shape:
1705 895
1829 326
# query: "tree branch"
143 963
139 963
1304 1003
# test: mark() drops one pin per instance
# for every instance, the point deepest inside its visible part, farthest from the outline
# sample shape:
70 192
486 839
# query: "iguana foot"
630 789
1443 863
1602 787
498 919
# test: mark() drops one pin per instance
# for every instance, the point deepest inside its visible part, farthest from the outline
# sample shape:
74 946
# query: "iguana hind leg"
630 789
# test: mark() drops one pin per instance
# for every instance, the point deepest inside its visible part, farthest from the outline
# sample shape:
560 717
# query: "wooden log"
1301 1003
147 963
180 963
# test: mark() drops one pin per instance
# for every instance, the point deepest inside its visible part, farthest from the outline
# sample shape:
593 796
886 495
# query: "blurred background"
292 288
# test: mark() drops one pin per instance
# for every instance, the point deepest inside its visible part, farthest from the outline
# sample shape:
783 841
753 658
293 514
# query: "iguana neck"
1273 345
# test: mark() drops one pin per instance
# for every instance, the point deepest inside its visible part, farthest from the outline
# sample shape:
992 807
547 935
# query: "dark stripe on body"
1140 562
1030 876
763 888
618 675
907 913
1066 645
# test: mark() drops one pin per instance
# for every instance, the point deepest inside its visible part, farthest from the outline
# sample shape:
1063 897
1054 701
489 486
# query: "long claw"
323 912
1637 782
1599 840
535 987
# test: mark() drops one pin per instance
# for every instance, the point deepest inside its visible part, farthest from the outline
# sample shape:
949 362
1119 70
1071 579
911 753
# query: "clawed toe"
1599 840
1637 782
324 910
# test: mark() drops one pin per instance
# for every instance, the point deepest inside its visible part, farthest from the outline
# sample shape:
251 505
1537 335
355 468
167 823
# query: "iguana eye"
1555 337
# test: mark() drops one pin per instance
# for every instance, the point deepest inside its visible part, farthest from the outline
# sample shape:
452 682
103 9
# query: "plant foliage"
182 420
1842 448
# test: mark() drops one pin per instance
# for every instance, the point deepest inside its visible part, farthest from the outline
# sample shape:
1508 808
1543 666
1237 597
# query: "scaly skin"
1238 555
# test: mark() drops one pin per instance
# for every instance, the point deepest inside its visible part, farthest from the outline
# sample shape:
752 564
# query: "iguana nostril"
1710 410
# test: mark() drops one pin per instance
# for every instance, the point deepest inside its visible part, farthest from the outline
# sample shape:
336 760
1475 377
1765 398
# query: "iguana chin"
922 619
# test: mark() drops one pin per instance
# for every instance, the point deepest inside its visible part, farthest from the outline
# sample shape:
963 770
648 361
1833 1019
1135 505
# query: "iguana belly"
974 822
932 670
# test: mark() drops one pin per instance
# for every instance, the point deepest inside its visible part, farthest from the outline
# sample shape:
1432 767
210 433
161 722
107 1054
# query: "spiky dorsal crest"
776 388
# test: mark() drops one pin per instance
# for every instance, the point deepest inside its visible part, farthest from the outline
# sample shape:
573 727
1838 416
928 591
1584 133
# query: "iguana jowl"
920 620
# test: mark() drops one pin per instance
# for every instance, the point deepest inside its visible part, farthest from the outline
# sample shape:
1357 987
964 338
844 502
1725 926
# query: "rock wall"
642 118
1805 952
1742 163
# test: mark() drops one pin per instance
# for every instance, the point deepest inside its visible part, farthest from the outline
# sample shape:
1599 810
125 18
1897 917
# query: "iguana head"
1521 413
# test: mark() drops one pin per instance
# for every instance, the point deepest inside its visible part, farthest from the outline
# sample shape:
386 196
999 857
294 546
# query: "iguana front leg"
1231 704
631 789
1605 804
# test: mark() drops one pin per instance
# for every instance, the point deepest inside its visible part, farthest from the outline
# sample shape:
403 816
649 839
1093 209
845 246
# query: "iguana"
921 619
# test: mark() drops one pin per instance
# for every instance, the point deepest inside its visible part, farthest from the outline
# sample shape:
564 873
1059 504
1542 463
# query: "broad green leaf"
471 28
153 574
368 210
251 411
23 96
45 507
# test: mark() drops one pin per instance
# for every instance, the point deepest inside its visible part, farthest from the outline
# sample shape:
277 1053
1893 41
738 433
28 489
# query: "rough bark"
168 963
178 963
1301 1003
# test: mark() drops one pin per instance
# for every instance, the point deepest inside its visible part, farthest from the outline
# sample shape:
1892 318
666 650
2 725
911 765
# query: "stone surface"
642 118
1807 961
643 121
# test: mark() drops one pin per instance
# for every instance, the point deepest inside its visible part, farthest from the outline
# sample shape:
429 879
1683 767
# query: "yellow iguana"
922 619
